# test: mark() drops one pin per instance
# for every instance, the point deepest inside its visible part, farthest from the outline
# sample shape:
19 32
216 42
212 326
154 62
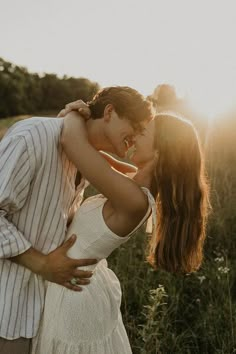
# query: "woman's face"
144 146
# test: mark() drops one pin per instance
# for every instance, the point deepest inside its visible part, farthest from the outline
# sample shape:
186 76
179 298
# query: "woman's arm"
120 166
82 108
123 193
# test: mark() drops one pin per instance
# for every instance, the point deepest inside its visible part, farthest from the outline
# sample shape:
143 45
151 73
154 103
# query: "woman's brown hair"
180 188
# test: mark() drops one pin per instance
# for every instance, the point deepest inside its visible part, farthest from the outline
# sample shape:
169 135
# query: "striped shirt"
37 192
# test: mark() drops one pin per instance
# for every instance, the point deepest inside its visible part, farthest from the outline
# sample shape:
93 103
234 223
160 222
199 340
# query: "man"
37 194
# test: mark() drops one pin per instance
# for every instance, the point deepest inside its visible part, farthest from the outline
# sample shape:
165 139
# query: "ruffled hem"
117 342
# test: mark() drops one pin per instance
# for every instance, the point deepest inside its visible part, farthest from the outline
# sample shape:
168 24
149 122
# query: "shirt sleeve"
15 177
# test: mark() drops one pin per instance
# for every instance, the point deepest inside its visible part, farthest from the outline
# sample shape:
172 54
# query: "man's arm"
126 197
15 176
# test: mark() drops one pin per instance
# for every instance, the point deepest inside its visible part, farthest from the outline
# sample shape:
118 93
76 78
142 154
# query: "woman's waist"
101 263
80 251
103 280
99 249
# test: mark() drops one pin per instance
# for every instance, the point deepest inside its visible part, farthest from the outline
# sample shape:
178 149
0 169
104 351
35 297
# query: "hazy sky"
188 43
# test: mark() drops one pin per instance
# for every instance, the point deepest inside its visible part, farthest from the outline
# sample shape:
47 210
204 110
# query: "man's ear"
108 112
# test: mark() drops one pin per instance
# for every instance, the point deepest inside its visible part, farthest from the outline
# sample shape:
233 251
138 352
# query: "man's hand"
79 106
57 267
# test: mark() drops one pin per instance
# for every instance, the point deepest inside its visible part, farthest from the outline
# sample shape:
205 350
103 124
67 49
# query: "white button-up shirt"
37 190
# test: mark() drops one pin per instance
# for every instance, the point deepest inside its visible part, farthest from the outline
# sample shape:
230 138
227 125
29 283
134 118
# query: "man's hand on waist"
57 267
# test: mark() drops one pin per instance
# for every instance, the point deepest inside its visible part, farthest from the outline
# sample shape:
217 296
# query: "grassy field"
192 314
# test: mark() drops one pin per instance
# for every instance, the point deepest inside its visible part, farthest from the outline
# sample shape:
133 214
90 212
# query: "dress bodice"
94 238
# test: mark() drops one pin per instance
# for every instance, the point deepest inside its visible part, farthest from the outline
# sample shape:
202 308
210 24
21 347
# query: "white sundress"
87 322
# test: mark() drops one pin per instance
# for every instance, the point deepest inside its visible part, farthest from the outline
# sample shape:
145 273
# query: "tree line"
22 92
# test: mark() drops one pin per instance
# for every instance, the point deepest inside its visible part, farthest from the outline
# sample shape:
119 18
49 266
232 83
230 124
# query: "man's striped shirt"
37 190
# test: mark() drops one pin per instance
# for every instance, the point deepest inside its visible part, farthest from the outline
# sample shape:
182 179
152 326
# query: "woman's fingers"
79 106
62 113
83 111
76 105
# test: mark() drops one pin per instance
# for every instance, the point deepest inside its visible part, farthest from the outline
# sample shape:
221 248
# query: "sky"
190 44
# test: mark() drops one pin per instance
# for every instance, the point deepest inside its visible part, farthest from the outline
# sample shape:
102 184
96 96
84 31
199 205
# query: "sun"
210 101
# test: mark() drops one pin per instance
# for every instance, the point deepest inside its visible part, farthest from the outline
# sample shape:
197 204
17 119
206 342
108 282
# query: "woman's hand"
74 128
80 106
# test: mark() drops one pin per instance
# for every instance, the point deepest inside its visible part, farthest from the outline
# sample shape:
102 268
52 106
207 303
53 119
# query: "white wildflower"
223 270
201 278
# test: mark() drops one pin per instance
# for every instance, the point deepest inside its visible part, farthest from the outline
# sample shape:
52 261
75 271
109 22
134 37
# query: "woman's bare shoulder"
123 222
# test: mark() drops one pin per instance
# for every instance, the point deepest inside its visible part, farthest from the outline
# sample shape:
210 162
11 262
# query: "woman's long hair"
180 188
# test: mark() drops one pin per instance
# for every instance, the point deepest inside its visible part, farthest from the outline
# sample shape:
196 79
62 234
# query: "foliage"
24 93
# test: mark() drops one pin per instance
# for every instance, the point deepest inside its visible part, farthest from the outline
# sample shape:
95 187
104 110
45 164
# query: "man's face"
120 132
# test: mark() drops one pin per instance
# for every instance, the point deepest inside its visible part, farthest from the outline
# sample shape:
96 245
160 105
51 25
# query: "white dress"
87 322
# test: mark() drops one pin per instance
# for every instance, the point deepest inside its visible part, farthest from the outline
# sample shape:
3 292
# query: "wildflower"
223 270
201 278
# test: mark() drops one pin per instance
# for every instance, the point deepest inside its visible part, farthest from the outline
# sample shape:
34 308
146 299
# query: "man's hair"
126 101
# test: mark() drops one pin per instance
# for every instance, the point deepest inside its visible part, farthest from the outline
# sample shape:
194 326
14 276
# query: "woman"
173 188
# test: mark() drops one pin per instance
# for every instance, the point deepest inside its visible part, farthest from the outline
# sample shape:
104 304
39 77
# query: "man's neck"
96 135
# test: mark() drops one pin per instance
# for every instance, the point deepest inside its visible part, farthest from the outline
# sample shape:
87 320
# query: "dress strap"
152 220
